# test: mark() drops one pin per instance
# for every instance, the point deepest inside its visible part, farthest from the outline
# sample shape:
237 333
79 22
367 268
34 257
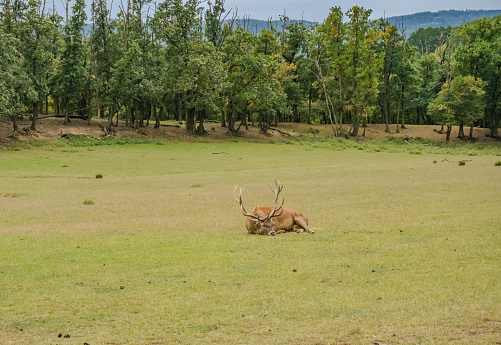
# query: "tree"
460 101
480 56
71 74
427 40
293 42
204 81
36 32
179 26
214 23
471 106
363 65
15 87
267 97
305 67
442 109
331 71
102 54
244 67
391 48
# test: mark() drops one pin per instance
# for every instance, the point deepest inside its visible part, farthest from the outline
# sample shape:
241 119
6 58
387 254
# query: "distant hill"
412 22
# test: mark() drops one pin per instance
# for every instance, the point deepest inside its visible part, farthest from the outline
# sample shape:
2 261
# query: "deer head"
259 216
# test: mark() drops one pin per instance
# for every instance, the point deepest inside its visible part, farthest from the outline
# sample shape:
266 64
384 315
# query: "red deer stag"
265 220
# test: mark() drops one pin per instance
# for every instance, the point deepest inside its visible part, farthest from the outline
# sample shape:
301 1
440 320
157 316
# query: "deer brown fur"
273 220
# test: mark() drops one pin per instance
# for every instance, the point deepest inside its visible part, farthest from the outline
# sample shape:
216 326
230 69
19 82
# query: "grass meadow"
406 250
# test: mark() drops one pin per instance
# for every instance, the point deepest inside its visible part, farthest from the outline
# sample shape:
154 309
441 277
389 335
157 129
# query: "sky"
317 10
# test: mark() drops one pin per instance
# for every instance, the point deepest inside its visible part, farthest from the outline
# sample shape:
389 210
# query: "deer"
274 220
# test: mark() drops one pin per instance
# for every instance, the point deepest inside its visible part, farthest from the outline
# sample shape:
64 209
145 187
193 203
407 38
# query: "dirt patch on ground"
51 129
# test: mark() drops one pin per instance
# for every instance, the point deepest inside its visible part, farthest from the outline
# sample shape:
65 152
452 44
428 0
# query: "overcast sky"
317 10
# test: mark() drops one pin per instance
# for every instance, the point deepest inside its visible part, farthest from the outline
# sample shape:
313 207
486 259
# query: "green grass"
406 250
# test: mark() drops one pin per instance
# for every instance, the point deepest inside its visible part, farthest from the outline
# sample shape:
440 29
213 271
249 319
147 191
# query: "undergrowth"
77 140
401 145
416 145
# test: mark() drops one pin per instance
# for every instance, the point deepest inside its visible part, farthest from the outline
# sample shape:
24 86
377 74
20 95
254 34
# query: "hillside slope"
412 22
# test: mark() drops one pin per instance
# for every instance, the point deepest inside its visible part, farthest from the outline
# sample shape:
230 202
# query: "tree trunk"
128 116
66 111
201 129
14 124
89 117
340 84
37 106
150 111
364 125
448 135
398 119
295 114
223 119
244 119
356 125
461 130
385 104
264 122
159 116
308 120
402 106
495 126
230 118
190 120
138 114
110 121
179 108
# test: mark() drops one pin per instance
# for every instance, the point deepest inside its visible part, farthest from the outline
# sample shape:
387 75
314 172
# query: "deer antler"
279 186
239 200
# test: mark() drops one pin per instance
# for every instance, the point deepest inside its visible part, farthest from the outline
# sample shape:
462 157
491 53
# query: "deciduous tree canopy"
182 60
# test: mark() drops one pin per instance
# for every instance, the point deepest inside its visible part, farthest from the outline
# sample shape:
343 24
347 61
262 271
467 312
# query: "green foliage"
428 40
460 101
480 56
72 58
165 63
16 89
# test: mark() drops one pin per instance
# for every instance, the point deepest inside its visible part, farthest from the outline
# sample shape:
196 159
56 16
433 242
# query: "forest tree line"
193 61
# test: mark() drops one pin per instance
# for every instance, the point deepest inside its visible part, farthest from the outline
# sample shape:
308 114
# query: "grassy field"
406 250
